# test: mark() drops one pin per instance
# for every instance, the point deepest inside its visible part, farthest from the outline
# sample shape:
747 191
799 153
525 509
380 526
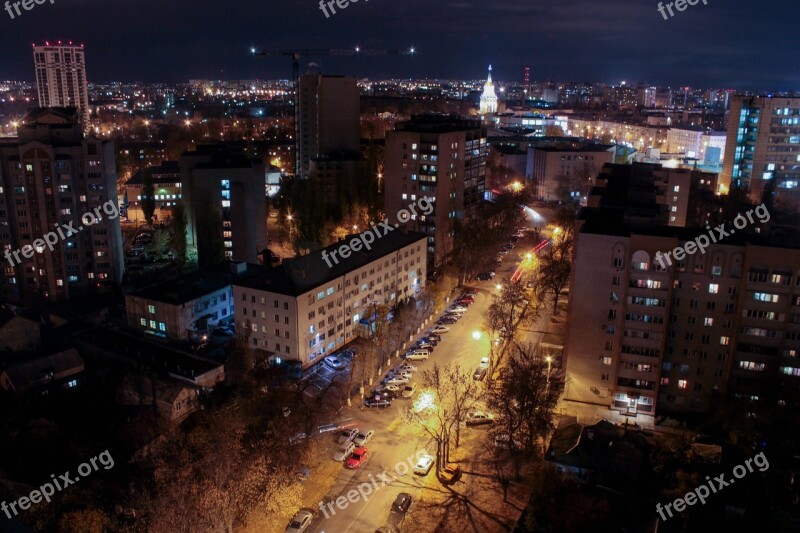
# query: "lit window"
682 383
151 309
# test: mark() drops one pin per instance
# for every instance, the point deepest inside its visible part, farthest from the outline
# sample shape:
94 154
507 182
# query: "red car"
357 458
470 290
467 300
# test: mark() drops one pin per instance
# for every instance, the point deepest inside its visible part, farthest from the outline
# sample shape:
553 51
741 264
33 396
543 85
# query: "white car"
408 367
391 388
440 329
458 309
404 374
424 465
334 362
395 381
300 521
484 362
344 451
345 436
363 437
478 418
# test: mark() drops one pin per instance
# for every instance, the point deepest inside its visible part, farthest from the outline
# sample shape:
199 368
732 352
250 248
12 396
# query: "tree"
148 195
554 131
453 393
525 397
555 259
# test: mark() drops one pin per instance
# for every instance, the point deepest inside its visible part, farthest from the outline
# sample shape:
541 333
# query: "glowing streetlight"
528 256
476 335
187 122
557 231
498 286
516 186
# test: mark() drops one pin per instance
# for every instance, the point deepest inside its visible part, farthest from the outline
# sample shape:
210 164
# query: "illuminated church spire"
488 98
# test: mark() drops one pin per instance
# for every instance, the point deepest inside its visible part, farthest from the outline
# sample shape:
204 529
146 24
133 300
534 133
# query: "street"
389 448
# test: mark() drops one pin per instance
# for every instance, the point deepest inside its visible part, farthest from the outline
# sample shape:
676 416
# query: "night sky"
743 44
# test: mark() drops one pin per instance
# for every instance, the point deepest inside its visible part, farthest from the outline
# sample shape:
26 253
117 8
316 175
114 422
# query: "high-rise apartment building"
329 120
647 336
61 77
763 146
442 157
224 194
50 176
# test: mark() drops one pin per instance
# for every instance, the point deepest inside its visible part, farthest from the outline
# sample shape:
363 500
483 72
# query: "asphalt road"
390 452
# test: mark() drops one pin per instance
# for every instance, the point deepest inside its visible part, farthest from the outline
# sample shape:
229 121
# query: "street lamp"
476 335
549 360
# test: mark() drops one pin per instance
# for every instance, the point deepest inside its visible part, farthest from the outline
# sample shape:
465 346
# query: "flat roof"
197 284
299 275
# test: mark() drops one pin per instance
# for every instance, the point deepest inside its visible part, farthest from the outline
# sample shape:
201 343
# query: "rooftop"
299 275
197 284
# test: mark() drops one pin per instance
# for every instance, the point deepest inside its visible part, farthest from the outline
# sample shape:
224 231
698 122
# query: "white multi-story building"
305 309
61 77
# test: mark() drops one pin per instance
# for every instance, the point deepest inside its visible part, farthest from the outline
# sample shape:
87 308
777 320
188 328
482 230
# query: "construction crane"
309 52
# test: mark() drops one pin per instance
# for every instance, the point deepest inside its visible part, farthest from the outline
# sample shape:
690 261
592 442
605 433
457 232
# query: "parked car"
447 320
450 474
434 337
479 418
372 403
344 451
504 440
424 465
470 290
409 390
345 436
408 367
418 355
395 380
357 458
300 521
480 374
425 345
508 246
467 299
386 528
334 362
363 437
457 308
485 276
433 341
440 328
401 503
397 373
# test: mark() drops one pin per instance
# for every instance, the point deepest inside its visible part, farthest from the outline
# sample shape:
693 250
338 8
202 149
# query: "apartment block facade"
218 178
304 310
648 336
50 176
763 147
442 157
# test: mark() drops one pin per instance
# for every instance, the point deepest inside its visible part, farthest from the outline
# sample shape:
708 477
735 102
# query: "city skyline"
559 42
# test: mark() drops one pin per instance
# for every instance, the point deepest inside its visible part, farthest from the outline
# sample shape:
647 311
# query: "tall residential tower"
61 77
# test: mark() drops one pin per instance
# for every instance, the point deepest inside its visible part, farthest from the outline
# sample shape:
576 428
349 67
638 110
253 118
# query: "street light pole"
549 360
